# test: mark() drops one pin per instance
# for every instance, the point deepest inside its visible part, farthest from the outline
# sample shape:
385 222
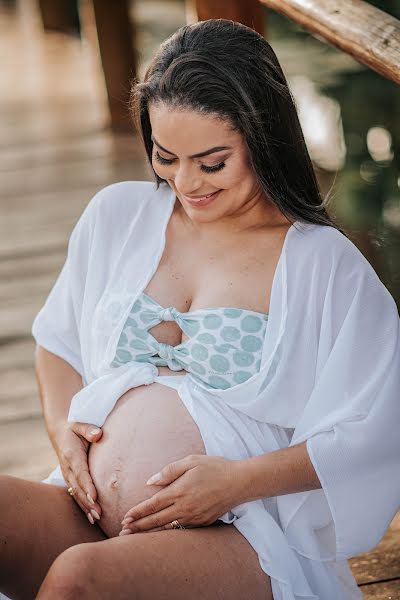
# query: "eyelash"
205 168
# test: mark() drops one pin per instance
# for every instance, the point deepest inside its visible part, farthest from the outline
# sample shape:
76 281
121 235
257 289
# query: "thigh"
207 563
38 521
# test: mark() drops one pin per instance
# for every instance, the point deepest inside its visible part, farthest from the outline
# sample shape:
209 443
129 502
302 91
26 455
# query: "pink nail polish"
95 513
89 497
91 520
125 532
126 521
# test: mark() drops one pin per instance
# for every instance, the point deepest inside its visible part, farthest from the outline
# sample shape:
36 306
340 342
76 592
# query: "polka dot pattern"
241 376
206 338
138 344
199 352
197 368
219 363
136 307
212 321
219 382
243 359
251 343
251 324
232 313
223 346
123 355
123 339
230 334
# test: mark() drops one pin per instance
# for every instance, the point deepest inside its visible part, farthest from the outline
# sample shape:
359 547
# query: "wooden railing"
356 27
370 35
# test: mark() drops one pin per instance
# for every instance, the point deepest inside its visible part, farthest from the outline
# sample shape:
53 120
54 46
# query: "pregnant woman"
214 329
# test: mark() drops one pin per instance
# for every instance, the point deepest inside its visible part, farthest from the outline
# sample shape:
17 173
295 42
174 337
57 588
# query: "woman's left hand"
197 490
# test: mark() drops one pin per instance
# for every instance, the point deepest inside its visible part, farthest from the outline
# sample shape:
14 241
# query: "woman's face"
179 135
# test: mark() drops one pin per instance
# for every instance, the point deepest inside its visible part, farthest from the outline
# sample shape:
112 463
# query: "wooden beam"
368 34
117 48
59 15
248 12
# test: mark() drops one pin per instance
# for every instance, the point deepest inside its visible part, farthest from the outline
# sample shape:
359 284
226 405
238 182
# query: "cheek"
233 178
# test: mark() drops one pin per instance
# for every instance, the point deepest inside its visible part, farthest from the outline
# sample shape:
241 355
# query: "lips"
199 198
203 201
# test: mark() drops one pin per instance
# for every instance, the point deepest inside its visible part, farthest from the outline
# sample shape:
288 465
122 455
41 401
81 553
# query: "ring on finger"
174 525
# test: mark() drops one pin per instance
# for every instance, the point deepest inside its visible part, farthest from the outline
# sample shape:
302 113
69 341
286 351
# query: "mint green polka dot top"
223 347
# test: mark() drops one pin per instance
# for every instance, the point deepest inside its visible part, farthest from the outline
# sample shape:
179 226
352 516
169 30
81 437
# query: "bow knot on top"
166 351
169 314
223 346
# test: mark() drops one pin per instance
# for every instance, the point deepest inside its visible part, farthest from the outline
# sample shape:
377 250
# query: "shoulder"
323 257
326 246
120 210
125 198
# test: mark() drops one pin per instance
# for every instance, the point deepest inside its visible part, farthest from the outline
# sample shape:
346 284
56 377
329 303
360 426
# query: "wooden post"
368 34
116 44
59 15
248 12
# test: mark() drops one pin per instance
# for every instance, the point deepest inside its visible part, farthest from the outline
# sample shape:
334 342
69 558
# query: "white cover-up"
330 375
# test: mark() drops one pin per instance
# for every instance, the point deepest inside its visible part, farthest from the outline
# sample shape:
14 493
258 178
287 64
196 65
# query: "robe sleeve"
57 326
351 420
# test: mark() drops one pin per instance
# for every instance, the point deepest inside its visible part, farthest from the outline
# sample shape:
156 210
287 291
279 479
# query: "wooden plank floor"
55 154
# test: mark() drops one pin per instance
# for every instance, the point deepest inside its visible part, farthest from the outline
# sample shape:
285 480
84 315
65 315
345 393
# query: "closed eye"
163 161
205 168
212 169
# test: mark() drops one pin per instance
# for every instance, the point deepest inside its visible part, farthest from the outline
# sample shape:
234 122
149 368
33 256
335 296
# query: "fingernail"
89 497
154 478
125 532
91 520
95 513
126 521
94 431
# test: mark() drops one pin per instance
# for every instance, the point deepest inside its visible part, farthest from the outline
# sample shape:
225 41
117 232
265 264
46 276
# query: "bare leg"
207 563
37 523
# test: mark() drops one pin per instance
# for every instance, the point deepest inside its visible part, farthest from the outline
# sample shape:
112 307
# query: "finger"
126 531
86 484
91 433
173 470
80 498
160 519
150 506
129 532
79 466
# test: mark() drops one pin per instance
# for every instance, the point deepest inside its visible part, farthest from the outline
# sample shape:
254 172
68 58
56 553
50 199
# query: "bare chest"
236 272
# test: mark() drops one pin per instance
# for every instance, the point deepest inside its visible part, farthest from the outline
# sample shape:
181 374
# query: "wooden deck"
55 154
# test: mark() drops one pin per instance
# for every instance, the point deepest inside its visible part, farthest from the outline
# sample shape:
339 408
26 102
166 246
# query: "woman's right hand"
72 449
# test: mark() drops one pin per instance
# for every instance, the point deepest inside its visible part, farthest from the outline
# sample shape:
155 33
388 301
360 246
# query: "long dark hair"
226 69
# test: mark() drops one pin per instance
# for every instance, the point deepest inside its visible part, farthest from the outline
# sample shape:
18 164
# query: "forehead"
188 131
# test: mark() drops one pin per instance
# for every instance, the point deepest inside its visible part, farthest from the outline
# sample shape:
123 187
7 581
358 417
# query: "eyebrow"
199 155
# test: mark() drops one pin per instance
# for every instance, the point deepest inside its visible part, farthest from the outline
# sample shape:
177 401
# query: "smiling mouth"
200 198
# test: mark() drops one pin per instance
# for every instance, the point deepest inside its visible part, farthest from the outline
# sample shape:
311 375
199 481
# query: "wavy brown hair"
225 69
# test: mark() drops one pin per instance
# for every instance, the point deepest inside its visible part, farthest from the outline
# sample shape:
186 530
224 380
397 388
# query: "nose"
187 179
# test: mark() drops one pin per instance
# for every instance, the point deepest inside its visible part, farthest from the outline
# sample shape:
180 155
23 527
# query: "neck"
256 214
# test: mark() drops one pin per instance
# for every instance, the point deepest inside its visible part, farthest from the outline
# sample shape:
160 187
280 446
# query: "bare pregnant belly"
148 428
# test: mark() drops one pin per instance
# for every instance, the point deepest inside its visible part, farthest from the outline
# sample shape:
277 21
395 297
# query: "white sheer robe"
330 375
